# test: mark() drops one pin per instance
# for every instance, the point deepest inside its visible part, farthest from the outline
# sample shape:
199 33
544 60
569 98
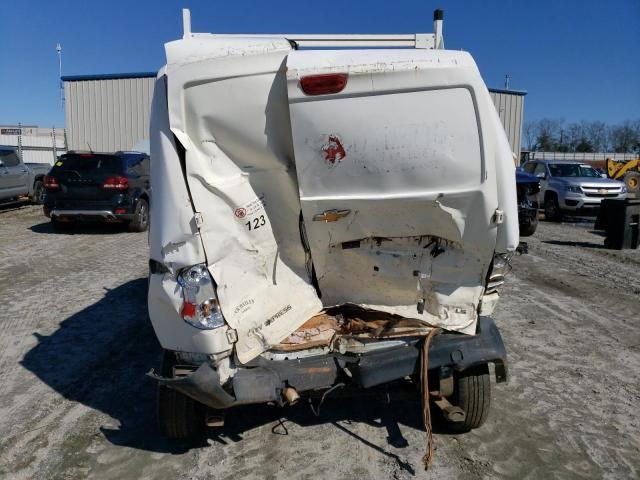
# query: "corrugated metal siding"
583 156
37 143
510 108
39 138
108 114
40 156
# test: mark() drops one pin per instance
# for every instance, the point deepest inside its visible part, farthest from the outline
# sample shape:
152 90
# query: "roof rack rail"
416 40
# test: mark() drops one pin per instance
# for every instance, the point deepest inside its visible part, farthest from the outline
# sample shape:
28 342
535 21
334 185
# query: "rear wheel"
179 416
38 193
552 211
140 221
632 181
472 393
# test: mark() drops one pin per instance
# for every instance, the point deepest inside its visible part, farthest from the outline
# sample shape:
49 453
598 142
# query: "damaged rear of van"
316 213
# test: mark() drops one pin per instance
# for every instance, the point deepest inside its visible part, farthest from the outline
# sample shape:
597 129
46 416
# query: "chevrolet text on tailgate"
317 213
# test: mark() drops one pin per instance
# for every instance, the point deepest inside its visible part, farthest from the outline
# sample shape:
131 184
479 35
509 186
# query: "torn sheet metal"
229 111
350 328
174 240
412 171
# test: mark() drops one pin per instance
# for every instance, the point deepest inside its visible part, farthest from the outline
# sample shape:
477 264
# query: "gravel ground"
75 344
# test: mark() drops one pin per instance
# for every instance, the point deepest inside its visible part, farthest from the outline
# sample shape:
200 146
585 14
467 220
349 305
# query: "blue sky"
579 60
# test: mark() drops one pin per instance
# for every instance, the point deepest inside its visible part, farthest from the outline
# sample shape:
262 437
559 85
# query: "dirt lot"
75 344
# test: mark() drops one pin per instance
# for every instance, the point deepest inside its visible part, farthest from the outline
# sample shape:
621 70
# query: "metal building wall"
107 112
40 156
510 107
38 145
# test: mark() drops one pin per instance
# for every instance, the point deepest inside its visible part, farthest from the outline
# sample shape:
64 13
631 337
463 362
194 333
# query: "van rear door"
228 110
391 173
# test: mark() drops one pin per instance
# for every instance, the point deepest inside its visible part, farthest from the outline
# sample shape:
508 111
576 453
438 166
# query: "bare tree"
596 132
574 136
553 135
550 134
625 138
530 131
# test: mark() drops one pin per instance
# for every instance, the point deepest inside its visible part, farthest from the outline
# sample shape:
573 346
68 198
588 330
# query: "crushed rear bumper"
263 380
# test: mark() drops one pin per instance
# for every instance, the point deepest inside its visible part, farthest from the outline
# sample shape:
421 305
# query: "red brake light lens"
116 183
51 183
189 310
323 84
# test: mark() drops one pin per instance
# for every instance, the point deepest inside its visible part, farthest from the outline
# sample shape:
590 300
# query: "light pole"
59 52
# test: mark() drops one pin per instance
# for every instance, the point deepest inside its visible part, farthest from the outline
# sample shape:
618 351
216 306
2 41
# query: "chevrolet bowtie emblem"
330 215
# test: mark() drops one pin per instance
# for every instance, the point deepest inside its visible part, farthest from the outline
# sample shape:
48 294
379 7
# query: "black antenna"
90 149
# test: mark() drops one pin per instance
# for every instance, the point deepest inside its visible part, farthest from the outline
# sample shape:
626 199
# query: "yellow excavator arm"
627 171
616 170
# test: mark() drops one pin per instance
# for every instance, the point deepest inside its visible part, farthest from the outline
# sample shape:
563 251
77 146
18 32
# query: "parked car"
18 178
315 214
107 187
527 187
572 188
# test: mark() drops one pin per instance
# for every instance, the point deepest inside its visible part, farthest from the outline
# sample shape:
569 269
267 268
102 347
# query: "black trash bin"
621 221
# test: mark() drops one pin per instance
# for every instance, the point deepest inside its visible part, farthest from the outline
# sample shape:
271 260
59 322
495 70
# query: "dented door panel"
227 110
401 150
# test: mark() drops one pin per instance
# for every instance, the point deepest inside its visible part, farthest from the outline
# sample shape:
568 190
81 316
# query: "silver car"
572 187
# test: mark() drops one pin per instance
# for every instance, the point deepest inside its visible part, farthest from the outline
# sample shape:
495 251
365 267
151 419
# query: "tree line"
554 135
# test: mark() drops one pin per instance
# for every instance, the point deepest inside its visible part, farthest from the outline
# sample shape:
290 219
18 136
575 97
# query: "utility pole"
59 52
20 139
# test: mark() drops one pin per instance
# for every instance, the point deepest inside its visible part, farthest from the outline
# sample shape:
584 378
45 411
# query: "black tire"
528 228
472 393
140 221
179 416
632 181
552 212
38 193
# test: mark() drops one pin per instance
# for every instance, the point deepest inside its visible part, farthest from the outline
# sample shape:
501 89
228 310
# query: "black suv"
109 187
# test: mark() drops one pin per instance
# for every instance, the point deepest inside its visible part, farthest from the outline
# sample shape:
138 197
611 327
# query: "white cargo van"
319 204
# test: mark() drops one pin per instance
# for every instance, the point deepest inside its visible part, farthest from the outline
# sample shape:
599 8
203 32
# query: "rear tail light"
51 183
116 183
200 306
323 84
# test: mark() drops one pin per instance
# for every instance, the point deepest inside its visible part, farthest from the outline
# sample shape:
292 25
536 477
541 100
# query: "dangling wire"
424 384
324 395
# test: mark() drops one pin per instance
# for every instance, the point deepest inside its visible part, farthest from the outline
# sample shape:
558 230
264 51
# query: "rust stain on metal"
350 321
333 151
313 370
